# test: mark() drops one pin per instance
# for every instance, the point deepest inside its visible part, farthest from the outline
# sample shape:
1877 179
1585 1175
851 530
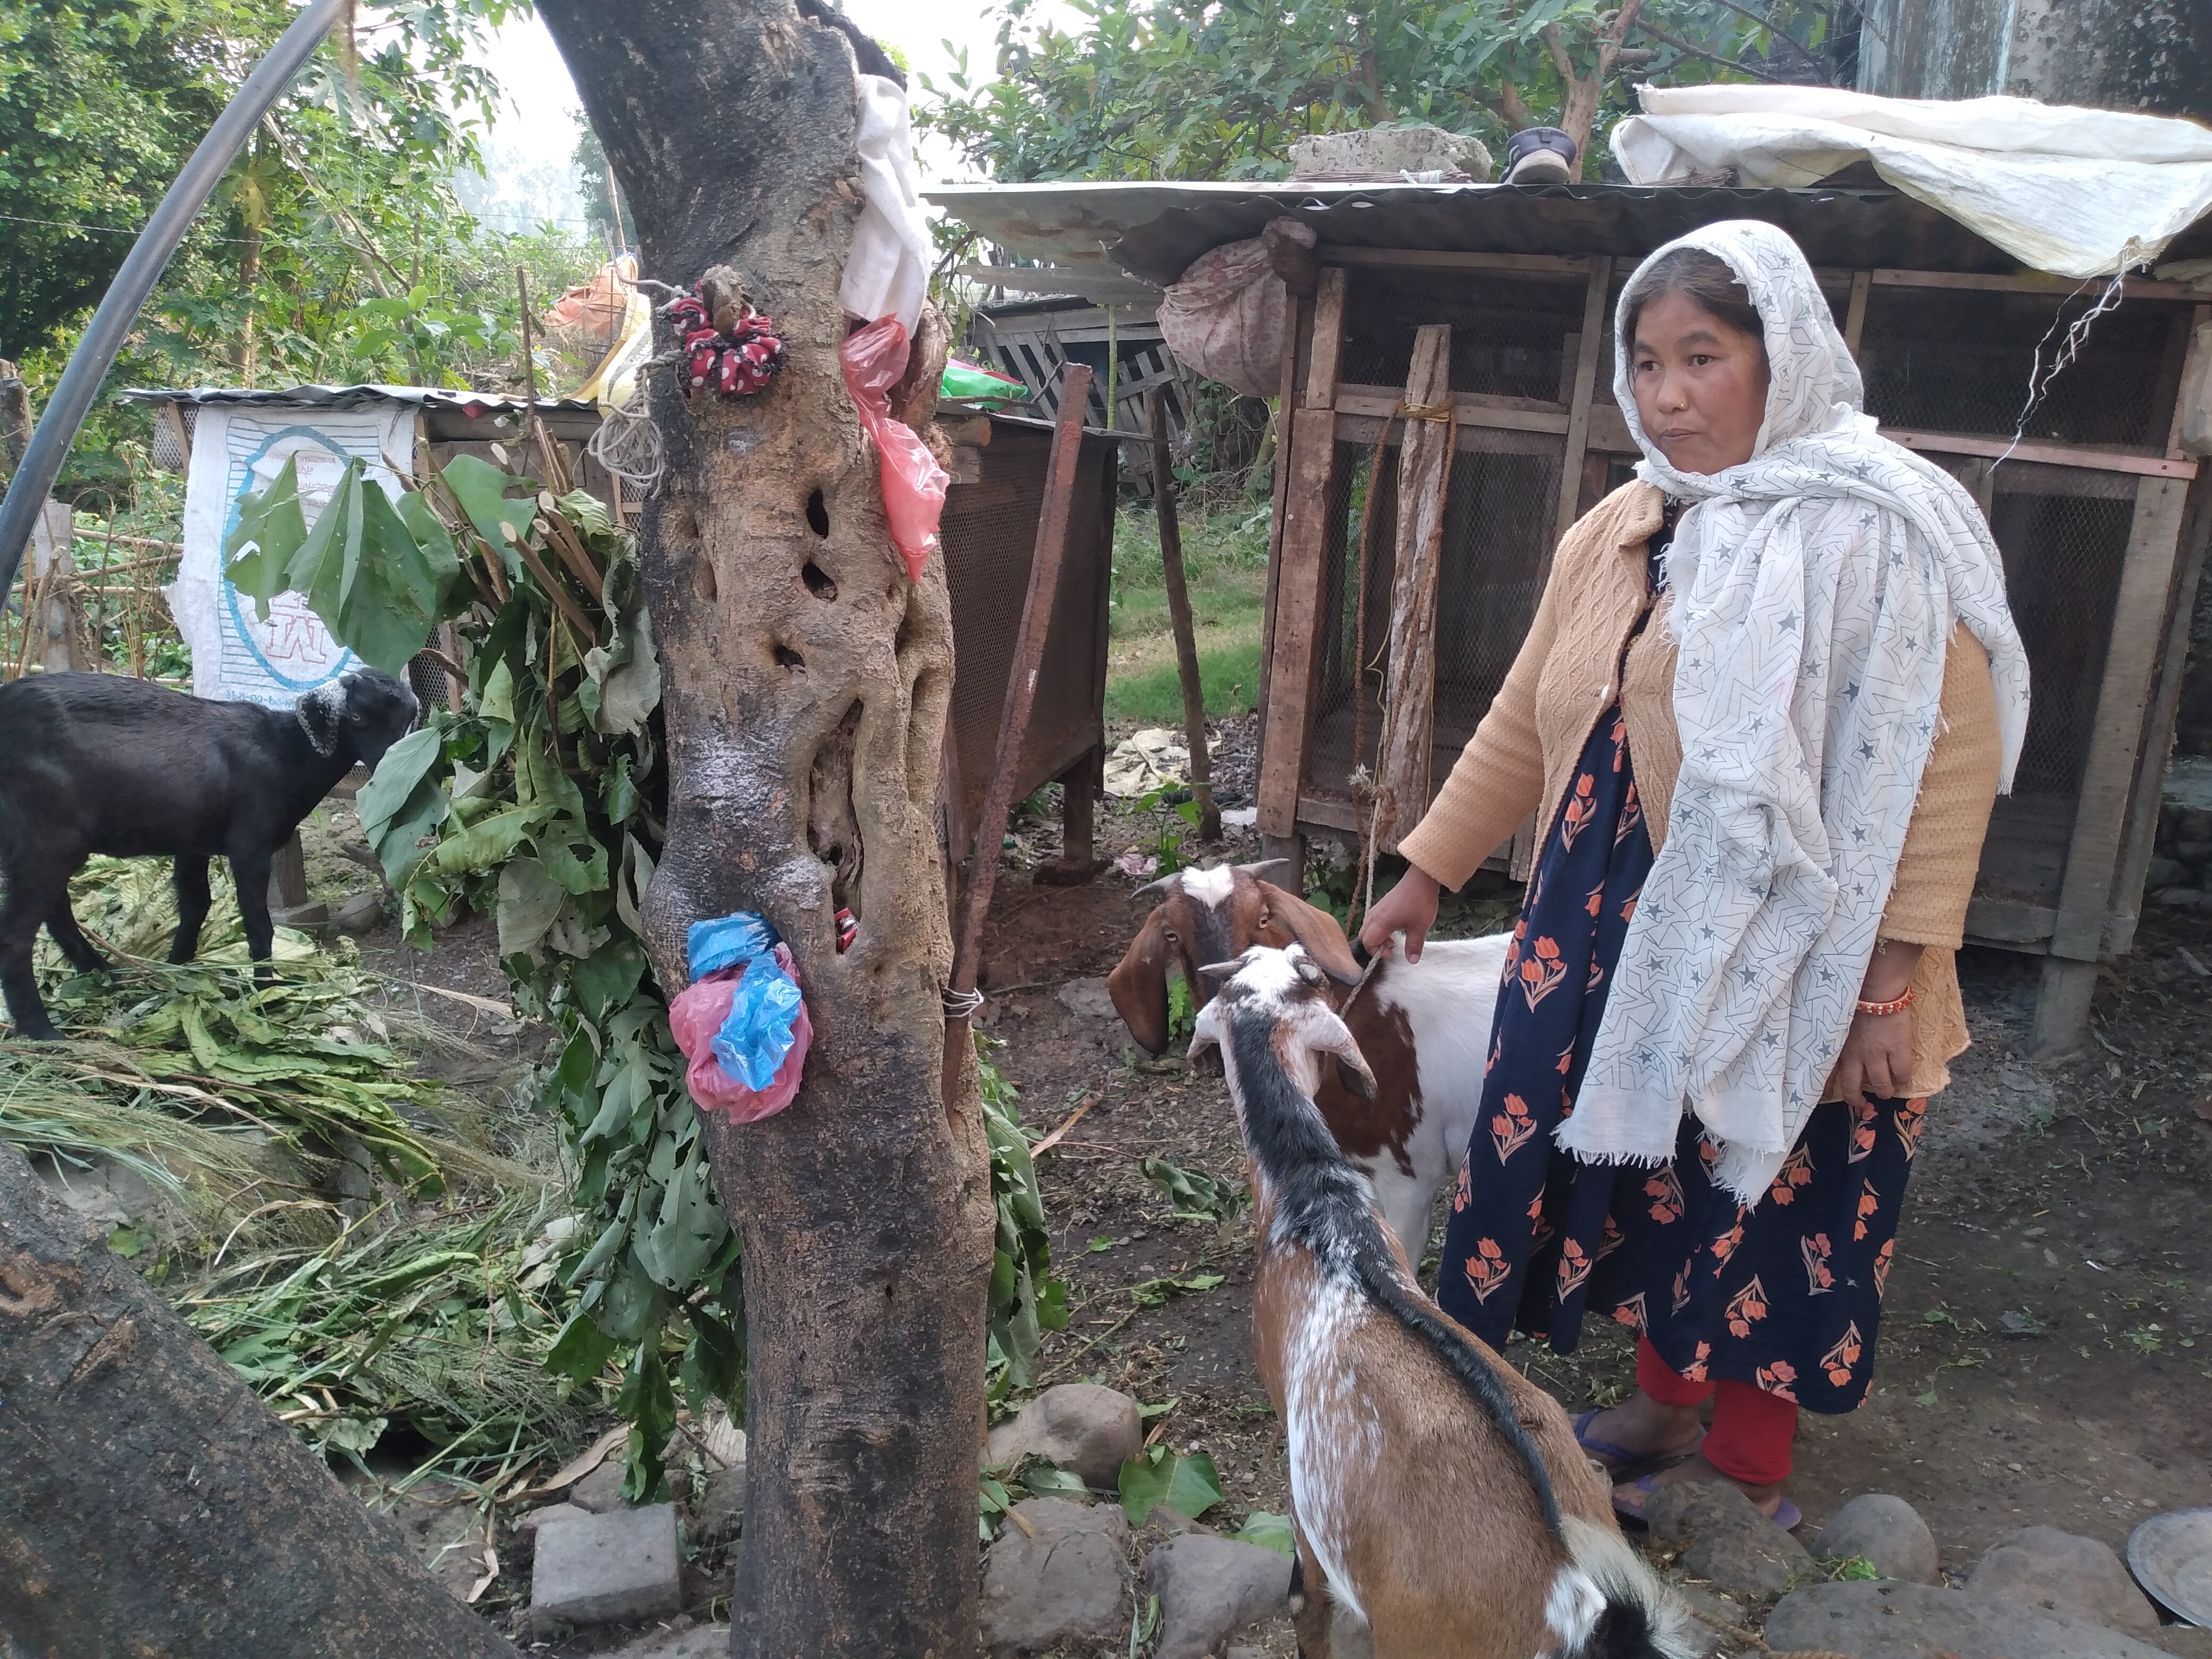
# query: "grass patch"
1225 563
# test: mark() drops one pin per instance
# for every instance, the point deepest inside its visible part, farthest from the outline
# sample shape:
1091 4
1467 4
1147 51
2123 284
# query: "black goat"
100 763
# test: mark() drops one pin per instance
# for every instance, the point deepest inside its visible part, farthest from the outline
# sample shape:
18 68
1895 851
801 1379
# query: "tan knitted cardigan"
1519 759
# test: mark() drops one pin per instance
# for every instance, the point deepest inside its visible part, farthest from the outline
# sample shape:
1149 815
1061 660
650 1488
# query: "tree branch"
1802 49
1550 35
1684 47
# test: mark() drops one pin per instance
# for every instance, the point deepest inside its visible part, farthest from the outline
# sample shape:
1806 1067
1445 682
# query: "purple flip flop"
1619 1457
1788 1517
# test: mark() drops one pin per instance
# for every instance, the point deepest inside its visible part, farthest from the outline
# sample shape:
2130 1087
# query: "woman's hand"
1876 1063
1412 905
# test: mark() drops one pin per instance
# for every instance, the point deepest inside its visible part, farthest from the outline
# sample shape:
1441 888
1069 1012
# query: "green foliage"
1026 1299
1186 1482
1194 1195
1269 1531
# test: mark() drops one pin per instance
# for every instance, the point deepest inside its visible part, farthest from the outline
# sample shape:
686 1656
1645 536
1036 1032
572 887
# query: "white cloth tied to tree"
1816 589
1229 316
887 273
2062 189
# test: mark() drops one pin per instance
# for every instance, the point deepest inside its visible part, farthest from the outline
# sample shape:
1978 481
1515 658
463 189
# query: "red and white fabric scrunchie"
736 363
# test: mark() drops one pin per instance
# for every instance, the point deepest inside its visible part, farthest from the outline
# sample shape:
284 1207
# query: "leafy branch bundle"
542 803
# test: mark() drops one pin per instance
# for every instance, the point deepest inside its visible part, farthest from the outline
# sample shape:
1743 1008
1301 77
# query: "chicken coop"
2101 516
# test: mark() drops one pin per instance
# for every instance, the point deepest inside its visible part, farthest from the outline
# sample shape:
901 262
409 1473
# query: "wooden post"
1186 636
1406 743
1855 311
1592 352
57 645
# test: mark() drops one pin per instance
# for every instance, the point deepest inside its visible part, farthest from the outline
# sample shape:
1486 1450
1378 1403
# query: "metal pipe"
149 256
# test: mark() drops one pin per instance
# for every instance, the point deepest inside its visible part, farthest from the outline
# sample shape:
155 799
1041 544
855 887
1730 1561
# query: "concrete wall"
2153 55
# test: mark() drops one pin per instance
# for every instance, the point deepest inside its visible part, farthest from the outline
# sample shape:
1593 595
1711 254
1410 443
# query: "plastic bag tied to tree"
874 360
741 1024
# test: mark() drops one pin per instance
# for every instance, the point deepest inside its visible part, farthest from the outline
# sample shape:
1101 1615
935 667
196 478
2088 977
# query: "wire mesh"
1509 334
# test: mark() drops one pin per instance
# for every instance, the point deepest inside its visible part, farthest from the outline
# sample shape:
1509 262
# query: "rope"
1361 779
2076 336
628 445
962 1004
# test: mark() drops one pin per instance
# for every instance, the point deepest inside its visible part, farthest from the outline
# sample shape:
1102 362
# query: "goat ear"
1334 1037
1314 928
1357 1080
322 713
1139 985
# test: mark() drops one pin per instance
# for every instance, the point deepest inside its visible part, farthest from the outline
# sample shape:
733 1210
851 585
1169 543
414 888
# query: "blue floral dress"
1786 1295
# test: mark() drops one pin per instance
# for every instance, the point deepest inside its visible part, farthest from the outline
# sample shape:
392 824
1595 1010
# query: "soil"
2046 1352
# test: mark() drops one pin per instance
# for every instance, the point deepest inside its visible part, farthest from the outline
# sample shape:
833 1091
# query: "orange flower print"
1779 1380
1631 1313
1611 1240
1709 1155
1497 1048
1619 740
1463 1190
1574 1269
1513 1128
1746 1308
1595 902
1695 1370
1487 1269
1575 817
1724 1246
1911 1117
1513 946
1819 1277
1881 1269
1541 972
1870 1201
1664 1189
1862 1131
1839 1360
1566 1059
1682 1288
1632 814
1796 1171
1628 905
1596 975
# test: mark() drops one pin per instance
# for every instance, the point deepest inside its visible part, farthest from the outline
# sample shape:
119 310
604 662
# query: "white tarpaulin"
2061 188
887 272
236 656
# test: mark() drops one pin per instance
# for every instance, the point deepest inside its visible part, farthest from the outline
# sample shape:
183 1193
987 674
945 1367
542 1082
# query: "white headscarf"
1815 588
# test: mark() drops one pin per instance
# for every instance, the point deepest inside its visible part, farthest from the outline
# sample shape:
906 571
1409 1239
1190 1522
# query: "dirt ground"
2046 1352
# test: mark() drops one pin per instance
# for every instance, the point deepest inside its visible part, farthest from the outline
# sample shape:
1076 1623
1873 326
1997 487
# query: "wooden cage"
2102 521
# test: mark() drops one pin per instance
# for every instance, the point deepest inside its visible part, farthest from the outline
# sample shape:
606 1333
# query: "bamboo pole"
1186 634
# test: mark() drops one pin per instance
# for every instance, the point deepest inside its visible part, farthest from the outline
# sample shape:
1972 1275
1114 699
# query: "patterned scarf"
1816 586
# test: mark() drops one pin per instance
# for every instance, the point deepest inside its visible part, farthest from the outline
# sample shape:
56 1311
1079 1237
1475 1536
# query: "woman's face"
1700 386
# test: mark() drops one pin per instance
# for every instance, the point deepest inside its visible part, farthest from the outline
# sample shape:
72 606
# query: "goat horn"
1151 887
1228 967
1265 869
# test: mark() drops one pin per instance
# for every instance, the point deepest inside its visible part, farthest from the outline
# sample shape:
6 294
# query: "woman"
1768 698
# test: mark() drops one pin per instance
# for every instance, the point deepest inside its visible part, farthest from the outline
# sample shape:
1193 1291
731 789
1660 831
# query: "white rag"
2071 191
887 272
1816 586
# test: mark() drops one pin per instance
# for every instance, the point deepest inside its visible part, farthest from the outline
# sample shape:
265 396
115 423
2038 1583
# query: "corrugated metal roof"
352 397
1154 230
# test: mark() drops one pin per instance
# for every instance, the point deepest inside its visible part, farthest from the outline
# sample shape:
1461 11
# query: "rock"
1386 152
1705 1634
1243 1653
683 1642
1913 1621
304 917
2193 853
606 1569
1212 1588
2192 824
2184 1641
600 1491
2064 1573
361 913
537 1517
1078 1426
2183 899
720 1510
1731 1545
2164 873
1088 998
1887 1531
1057 1577
446 1535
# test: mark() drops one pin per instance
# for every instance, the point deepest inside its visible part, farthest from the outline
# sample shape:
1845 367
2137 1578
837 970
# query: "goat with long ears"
1390 1406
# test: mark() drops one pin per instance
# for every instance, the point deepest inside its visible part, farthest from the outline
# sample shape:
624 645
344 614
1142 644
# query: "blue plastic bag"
729 941
752 1041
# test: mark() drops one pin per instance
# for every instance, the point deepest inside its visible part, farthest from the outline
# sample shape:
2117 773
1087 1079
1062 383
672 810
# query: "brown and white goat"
1435 1492
1423 1026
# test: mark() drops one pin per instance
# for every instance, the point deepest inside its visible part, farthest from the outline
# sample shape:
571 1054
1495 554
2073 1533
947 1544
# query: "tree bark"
150 1505
808 682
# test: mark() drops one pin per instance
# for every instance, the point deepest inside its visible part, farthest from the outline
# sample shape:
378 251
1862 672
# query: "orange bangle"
1896 1005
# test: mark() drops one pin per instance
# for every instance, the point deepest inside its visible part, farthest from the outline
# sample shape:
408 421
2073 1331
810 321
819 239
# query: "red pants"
1749 1440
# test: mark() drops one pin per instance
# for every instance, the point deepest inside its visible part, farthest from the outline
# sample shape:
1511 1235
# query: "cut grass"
1224 560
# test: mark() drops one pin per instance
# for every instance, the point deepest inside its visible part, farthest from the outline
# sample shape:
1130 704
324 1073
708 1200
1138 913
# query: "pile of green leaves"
1026 1299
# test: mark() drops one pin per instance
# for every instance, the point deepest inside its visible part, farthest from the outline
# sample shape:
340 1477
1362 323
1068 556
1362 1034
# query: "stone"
1057 1578
2164 873
679 1641
446 1535
600 1491
2184 1641
606 1569
2064 1573
1881 1620
359 912
1088 998
1730 1545
2183 899
1212 1588
1708 1637
2193 853
537 1517
306 918
1078 1426
1386 152
719 1511
1886 1531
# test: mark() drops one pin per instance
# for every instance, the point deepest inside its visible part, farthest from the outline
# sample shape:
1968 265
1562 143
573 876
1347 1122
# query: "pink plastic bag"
697 1014
914 483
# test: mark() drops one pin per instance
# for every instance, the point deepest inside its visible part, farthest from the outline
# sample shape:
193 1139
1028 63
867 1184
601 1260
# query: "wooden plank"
1327 340
1578 416
1854 318
2137 462
2190 362
1404 747
1301 319
1563 266
2139 624
1472 440
1468 408
2055 288
1608 431
2010 923
1288 716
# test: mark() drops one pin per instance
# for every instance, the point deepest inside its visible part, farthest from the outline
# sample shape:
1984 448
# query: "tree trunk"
150 1505
808 682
